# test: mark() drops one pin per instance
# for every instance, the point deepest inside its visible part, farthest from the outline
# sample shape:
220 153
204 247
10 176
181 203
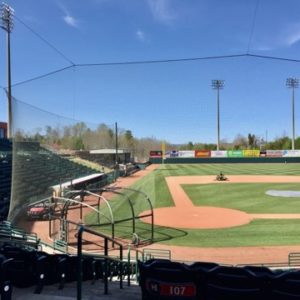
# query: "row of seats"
5 145
13 235
22 268
36 171
166 280
5 178
107 160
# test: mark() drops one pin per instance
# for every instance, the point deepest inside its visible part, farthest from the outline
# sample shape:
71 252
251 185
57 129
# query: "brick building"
3 130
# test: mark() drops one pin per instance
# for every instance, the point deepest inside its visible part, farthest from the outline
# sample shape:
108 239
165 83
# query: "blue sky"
171 101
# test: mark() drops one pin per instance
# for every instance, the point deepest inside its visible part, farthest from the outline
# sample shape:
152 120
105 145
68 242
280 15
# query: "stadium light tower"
7 14
218 84
293 83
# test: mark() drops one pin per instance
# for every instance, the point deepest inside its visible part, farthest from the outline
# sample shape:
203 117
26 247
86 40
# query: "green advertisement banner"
235 153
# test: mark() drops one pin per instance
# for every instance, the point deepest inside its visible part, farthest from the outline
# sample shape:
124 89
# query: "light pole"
293 83
218 84
7 14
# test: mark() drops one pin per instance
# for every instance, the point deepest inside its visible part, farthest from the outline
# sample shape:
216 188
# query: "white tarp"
288 194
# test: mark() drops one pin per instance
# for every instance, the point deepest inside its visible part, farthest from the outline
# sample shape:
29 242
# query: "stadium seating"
36 169
26 266
163 279
285 286
5 176
232 282
167 280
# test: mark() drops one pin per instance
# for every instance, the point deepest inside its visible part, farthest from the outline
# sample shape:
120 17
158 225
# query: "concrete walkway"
89 292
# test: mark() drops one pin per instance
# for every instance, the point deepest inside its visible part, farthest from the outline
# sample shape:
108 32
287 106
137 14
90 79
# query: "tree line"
80 137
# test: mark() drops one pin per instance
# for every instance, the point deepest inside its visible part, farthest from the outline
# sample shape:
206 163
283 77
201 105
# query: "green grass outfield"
249 197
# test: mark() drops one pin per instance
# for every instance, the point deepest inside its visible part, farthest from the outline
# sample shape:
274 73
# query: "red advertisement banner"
202 153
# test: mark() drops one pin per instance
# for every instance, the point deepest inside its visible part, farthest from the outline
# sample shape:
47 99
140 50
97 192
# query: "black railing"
107 239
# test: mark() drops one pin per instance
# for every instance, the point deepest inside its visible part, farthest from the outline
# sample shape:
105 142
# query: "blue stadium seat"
233 283
286 286
167 280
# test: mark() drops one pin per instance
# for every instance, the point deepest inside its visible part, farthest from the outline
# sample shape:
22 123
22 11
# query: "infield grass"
248 197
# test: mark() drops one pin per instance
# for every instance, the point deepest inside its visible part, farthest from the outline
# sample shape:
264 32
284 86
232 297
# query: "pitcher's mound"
199 217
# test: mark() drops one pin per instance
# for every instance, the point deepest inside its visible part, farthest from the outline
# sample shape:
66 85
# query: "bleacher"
166 280
5 145
103 160
5 176
24 265
36 169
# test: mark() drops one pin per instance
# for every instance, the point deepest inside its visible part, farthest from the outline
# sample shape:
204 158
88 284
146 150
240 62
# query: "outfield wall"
225 160
225 156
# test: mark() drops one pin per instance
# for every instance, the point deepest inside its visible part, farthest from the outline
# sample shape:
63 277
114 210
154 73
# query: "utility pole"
293 83
7 14
218 84
117 142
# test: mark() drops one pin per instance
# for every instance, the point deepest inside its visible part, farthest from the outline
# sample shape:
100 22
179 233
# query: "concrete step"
89 292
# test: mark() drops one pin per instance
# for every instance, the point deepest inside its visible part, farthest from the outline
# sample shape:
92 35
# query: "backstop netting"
79 145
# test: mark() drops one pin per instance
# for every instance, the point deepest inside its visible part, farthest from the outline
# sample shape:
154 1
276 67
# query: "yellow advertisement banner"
251 153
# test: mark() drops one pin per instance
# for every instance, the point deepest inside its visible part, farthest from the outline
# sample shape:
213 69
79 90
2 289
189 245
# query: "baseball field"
192 209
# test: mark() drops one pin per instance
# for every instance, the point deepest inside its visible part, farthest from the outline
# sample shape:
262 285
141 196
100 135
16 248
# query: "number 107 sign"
187 289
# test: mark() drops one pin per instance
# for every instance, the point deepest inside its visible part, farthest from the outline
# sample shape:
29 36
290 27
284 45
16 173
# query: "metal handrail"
106 257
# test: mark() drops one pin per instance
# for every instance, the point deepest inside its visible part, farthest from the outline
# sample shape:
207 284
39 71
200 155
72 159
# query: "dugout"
78 183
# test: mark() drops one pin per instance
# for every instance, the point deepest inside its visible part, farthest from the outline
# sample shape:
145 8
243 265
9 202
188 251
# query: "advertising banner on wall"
167 154
274 153
235 153
174 153
251 153
221 153
291 153
202 153
263 153
170 154
186 153
156 154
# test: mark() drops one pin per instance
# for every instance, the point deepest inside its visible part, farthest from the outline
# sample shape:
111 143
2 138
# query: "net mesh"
51 152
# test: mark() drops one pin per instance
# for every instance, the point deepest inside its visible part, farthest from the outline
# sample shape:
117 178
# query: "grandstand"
105 157
5 176
37 169
43 172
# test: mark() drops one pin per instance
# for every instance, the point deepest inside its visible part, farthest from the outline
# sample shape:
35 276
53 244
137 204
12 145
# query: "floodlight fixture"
7 14
217 84
292 82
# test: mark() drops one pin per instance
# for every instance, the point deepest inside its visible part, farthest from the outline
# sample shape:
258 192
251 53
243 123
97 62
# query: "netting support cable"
266 57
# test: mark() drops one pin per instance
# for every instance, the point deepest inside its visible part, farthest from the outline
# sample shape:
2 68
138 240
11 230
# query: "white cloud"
140 35
71 21
68 18
290 35
283 37
162 10
264 48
